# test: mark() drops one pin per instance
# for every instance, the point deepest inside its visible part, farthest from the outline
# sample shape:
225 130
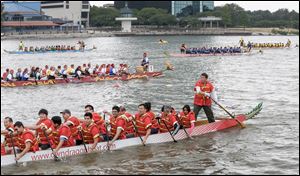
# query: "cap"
66 111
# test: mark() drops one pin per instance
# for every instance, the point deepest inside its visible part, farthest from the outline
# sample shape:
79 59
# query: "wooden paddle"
13 145
80 132
179 121
168 130
56 158
136 131
240 123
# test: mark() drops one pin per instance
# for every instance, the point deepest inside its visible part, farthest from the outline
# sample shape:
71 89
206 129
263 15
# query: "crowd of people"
210 50
65 71
22 47
264 45
69 130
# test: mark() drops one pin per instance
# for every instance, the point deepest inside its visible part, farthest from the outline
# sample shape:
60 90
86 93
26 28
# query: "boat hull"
41 52
205 55
87 79
119 144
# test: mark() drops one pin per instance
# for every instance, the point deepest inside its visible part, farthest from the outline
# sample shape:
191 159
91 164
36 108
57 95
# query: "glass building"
185 8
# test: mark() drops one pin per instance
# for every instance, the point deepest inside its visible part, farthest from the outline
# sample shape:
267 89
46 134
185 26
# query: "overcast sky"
247 5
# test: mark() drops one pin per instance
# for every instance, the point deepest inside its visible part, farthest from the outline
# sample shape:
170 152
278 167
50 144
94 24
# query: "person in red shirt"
61 135
73 123
187 118
9 135
44 124
129 125
98 120
168 121
27 141
5 74
118 125
90 131
155 125
203 90
143 123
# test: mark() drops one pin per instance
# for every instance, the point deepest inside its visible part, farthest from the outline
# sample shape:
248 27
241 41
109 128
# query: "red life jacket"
153 120
49 125
143 123
129 124
200 99
8 139
63 130
186 120
26 136
115 123
99 121
74 130
169 120
3 150
88 131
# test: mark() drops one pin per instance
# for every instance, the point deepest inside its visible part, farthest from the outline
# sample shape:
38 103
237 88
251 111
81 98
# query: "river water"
269 144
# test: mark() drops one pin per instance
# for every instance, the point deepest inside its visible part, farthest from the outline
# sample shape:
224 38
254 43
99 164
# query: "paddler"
118 125
145 62
241 42
21 46
27 141
73 123
61 135
9 135
167 121
90 131
155 125
43 124
98 120
203 90
129 126
143 123
183 49
187 118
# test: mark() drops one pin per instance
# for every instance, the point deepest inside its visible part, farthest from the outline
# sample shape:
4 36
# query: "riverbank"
151 32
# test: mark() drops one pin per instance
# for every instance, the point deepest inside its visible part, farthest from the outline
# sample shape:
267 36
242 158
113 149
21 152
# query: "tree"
162 20
145 14
2 12
100 16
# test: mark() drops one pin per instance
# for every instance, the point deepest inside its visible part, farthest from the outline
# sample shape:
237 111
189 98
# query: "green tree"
145 14
162 20
2 12
100 16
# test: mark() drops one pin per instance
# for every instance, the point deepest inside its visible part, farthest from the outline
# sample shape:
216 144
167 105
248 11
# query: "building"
177 8
75 11
108 5
25 16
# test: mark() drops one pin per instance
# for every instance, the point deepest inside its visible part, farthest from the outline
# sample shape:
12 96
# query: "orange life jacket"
200 99
186 120
8 139
169 121
49 124
87 133
143 123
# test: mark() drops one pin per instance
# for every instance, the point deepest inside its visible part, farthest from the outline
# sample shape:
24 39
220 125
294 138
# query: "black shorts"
44 146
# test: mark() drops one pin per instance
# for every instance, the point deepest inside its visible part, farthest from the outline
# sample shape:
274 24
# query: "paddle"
13 145
136 131
240 123
80 132
168 130
55 157
108 147
179 120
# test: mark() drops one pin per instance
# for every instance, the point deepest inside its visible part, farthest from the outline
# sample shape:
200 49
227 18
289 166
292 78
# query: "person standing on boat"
21 46
27 141
44 124
145 62
183 49
203 90
61 136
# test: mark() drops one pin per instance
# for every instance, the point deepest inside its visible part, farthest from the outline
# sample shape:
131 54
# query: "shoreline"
94 33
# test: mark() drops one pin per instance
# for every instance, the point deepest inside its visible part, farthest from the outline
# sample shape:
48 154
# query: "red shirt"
48 124
143 123
153 120
119 122
169 120
27 136
90 133
99 121
65 132
129 125
200 99
186 120
75 123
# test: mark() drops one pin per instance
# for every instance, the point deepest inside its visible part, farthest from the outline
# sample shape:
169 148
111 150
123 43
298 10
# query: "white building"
76 11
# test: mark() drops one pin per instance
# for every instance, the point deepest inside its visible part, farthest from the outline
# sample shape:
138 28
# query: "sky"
247 5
